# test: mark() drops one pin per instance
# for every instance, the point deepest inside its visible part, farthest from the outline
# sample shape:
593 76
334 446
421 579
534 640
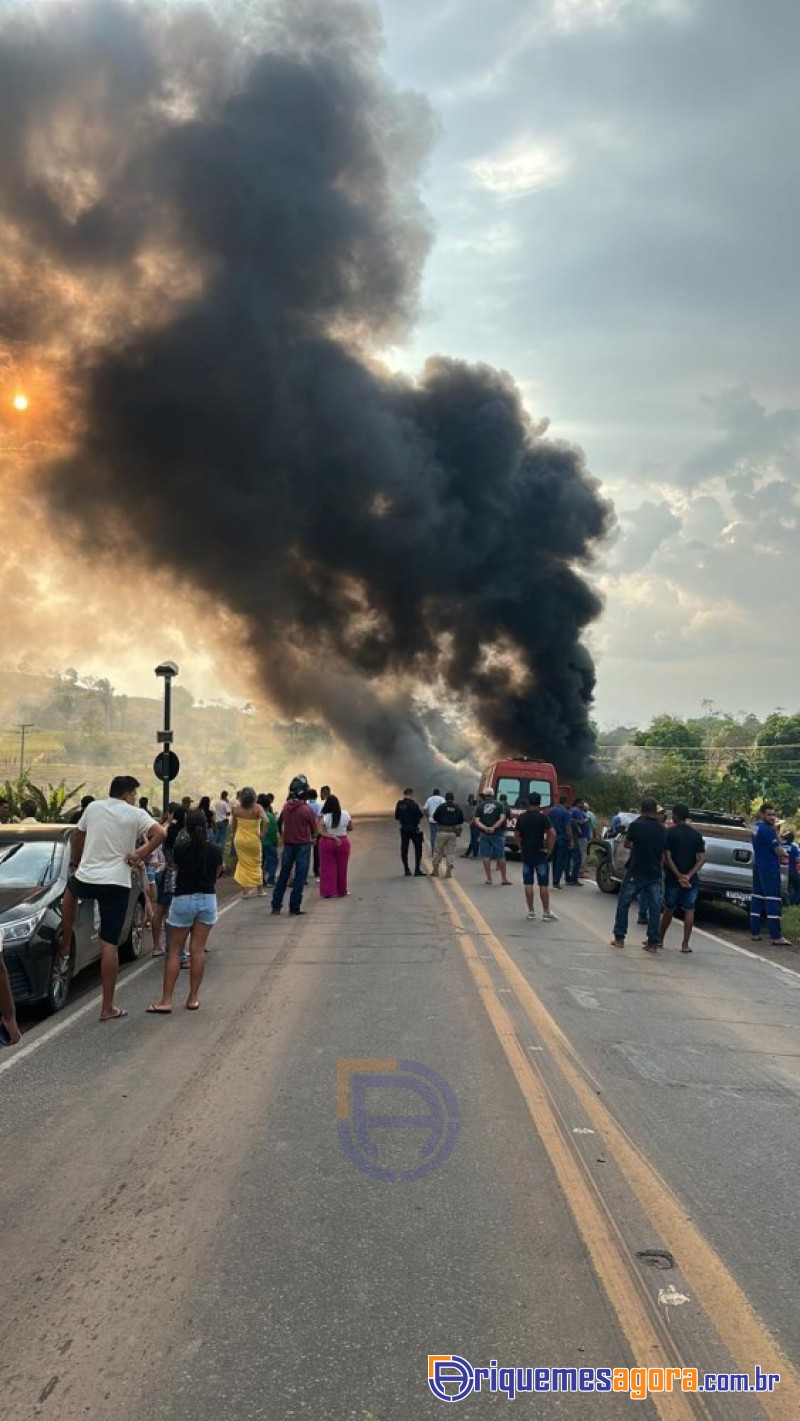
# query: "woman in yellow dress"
247 827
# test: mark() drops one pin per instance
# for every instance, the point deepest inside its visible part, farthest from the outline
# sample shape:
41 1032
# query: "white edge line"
745 952
58 1027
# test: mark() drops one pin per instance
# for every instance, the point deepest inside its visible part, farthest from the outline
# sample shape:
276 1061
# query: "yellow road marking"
745 1336
600 1236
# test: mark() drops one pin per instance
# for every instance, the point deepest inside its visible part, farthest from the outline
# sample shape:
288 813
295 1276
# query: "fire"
20 402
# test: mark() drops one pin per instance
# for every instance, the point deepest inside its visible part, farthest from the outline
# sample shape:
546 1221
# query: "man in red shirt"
298 824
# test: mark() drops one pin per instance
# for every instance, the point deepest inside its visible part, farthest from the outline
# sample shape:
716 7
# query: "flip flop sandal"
687 949
116 1015
192 1006
154 1010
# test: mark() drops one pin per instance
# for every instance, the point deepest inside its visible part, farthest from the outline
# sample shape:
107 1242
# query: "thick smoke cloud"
241 219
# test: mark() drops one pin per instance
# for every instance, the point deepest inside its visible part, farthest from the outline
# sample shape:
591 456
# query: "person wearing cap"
299 826
491 822
449 820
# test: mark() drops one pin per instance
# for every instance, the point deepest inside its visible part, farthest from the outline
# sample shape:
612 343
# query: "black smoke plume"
374 532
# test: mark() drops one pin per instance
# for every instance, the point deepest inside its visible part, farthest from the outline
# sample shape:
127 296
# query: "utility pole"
708 707
23 727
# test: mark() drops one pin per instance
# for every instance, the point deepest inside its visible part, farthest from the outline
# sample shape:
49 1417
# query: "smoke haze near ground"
212 238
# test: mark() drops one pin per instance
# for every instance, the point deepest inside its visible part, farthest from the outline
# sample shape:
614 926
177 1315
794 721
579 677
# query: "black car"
34 865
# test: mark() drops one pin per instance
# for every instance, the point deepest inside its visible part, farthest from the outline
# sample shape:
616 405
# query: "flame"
20 402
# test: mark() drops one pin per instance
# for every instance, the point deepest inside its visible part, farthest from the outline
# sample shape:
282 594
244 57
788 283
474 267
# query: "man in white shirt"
314 802
222 811
103 852
429 808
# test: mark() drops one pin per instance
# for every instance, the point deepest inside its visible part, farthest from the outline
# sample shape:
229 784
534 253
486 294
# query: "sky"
614 191
617 207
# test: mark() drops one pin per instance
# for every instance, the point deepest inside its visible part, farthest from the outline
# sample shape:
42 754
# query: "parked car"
726 875
34 866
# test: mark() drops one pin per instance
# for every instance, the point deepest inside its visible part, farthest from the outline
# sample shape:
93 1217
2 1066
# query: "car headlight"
21 929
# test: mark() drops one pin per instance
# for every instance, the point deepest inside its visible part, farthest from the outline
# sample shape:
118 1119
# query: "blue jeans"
649 894
221 837
269 863
474 840
574 862
297 857
432 833
560 861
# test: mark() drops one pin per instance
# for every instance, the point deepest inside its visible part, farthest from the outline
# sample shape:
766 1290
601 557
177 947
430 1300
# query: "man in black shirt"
536 837
449 820
408 815
646 838
683 860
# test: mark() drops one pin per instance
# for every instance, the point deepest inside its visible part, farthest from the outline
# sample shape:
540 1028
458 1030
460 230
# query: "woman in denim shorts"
193 911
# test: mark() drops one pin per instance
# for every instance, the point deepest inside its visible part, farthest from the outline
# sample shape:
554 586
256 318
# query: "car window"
29 865
517 789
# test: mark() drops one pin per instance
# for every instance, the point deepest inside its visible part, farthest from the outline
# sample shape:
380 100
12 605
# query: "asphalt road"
190 1227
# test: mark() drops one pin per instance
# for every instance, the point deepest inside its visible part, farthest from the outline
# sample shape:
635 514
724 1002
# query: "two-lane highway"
194 1221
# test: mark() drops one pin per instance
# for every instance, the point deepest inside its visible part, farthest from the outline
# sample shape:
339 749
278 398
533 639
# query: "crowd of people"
181 855
663 869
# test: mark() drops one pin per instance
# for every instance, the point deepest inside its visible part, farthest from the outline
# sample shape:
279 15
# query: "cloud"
644 530
519 169
748 435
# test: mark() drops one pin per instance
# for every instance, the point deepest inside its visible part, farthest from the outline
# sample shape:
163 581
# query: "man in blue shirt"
561 821
793 855
768 855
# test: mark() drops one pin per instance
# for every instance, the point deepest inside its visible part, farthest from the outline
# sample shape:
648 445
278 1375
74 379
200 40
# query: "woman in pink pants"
335 825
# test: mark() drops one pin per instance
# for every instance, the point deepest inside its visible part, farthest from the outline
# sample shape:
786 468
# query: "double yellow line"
726 1306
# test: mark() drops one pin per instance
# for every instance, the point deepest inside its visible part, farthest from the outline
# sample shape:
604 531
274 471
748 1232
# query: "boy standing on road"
491 822
683 860
647 840
408 815
103 853
536 837
449 820
766 901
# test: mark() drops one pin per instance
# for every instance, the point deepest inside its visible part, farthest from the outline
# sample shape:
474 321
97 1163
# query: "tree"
674 778
105 693
739 785
668 732
779 739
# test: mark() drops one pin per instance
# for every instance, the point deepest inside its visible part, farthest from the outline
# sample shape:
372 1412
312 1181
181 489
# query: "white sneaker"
549 918
531 915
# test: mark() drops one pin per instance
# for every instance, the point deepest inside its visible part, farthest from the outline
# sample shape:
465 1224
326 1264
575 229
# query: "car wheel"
131 948
605 879
59 982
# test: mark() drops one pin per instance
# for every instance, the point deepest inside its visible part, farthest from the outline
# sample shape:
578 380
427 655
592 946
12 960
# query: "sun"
20 402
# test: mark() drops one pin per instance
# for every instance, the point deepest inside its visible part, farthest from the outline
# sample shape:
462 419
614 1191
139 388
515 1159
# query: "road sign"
166 765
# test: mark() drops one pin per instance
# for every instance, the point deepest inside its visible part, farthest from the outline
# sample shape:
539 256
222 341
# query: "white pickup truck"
726 875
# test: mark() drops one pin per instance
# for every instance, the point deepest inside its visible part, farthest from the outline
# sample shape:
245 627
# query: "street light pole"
24 725
168 670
